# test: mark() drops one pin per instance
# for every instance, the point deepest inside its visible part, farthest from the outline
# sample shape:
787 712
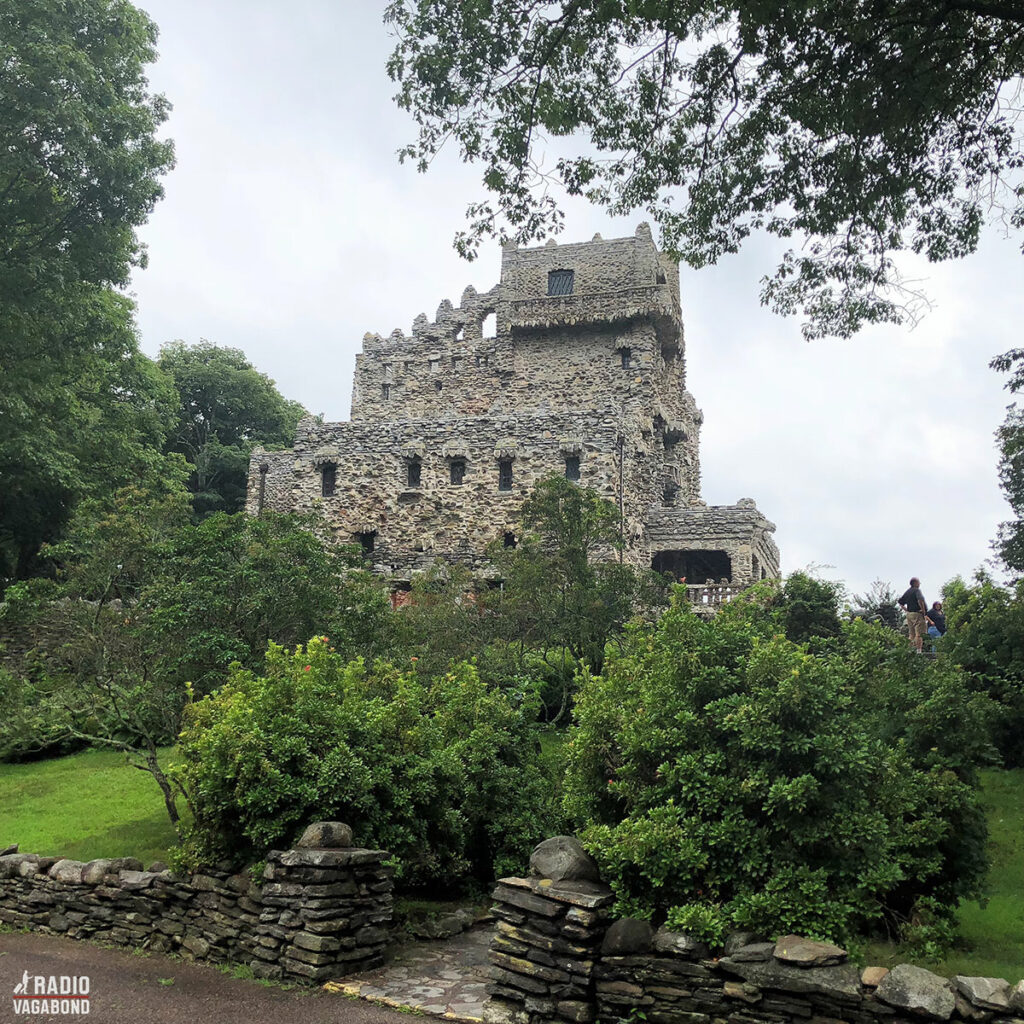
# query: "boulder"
871 977
69 871
326 835
755 953
94 872
913 988
1017 998
840 982
8 850
563 859
679 944
737 940
157 867
626 937
801 952
10 863
986 993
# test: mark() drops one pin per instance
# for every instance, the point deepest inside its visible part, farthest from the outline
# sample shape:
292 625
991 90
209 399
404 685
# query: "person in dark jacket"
936 620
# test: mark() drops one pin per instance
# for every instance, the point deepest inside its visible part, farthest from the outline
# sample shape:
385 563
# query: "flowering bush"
443 771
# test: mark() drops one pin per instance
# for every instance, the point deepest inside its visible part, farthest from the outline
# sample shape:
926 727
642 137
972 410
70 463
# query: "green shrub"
443 772
725 777
986 638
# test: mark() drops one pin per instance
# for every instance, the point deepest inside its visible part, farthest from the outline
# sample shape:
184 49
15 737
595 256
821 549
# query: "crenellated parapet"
573 363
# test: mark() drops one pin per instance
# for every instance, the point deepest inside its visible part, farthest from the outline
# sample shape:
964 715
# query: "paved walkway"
156 989
445 978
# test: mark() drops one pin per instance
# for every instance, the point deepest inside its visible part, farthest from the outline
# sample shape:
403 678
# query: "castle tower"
573 363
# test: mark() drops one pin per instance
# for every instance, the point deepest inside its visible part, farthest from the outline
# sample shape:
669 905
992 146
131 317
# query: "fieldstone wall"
558 956
597 375
320 911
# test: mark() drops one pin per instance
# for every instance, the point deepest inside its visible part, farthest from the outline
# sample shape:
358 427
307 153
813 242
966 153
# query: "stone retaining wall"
558 956
319 912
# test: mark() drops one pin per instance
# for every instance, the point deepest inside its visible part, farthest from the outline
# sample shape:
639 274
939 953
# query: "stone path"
445 978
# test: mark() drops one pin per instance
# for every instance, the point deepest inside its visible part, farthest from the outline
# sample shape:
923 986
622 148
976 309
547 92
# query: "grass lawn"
84 806
992 938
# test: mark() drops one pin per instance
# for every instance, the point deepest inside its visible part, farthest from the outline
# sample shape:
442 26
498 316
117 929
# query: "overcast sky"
289 230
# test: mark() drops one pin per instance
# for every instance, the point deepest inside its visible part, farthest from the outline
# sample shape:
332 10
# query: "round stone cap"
326 835
563 859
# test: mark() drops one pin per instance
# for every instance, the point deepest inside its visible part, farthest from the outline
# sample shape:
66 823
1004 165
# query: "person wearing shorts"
914 604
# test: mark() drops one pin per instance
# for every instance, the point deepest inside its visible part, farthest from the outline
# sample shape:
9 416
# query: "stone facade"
318 913
584 374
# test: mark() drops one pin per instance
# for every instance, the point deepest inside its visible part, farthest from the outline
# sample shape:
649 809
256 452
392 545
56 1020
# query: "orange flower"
307 668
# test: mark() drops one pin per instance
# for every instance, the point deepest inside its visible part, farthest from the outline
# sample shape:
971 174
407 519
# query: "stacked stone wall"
558 955
317 913
545 952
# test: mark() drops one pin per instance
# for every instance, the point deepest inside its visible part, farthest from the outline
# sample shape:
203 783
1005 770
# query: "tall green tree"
1009 543
225 407
565 594
80 163
856 129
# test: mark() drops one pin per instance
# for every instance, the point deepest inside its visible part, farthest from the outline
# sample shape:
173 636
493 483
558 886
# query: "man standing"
914 604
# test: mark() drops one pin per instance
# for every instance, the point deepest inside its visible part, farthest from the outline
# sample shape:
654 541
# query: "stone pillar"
326 907
550 928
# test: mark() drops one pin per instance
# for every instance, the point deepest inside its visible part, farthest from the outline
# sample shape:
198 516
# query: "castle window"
414 472
435 365
659 277
572 467
366 540
560 282
509 540
481 360
407 366
328 479
457 469
385 390
626 355
456 363
438 385
504 474
489 326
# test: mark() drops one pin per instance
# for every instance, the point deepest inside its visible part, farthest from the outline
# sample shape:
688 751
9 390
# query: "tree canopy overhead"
852 130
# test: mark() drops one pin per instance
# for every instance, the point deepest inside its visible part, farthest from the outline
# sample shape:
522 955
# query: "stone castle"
583 374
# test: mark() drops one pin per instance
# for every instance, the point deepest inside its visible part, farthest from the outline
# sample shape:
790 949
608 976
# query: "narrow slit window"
626 355
504 474
572 467
367 541
414 473
438 385
328 479
435 365
385 390
458 471
560 282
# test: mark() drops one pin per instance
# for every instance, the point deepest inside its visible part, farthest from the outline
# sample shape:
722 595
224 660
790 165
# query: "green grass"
992 937
84 806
